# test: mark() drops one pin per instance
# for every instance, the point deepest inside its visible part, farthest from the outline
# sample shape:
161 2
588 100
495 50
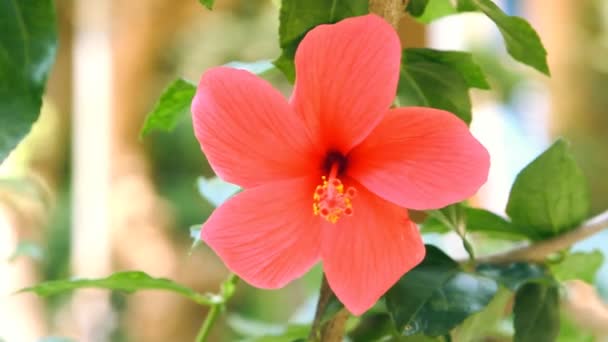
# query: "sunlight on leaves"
579 265
550 195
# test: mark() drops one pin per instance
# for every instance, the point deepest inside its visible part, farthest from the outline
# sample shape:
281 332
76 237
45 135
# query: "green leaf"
485 322
128 281
522 41
484 221
570 332
477 220
460 297
297 17
550 195
445 296
536 313
173 106
28 43
436 9
207 3
579 265
416 7
256 331
460 61
514 275
439 79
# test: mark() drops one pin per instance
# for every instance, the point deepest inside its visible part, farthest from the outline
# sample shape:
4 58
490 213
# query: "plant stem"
227 289
537 252
390 10
205 329
328 330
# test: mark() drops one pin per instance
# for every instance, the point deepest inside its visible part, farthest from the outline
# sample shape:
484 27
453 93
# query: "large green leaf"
444 296
536 313
522 41
439 79
514 275
550 195
485 322
297 17
173 106
28 41
128 281
579 265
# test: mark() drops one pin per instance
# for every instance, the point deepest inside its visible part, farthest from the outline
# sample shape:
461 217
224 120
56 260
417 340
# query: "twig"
390 10
327 330
226 292
537 252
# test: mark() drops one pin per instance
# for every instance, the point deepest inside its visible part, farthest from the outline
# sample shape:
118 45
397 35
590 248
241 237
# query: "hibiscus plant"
371 134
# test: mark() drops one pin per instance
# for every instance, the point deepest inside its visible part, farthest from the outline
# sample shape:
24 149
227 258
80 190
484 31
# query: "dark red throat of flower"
331 200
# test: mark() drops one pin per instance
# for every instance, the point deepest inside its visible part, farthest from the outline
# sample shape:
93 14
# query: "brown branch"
537 252
332 329
390 10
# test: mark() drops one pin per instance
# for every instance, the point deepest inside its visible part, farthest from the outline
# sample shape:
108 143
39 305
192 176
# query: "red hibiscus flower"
327 175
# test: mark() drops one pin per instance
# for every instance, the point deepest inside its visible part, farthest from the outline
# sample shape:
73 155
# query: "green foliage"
550 195
485 322
207 3
416 7
439 79
129 281
484 221
297 17
435 9
476 220
445 296
522 41
256 331
514 275
536 313
27 52
173 106
580 265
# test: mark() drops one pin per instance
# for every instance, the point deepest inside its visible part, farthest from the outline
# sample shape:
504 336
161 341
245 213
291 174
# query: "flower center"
331 200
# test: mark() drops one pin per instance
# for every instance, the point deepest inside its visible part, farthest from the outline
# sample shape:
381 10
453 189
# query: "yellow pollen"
330 200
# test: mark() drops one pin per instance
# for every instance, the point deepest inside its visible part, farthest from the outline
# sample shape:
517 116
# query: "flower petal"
247 130
267 235
365 254
421 158
346 79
